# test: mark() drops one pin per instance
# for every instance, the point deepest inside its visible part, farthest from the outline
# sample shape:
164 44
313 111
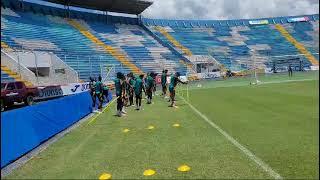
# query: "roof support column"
139 16
106 17
22 5
67 10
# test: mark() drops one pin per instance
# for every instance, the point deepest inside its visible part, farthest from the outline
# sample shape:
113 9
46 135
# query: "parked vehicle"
17 91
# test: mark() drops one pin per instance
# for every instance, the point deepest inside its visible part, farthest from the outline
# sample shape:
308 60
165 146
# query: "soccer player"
99 92
290 70
138 87
131 82
174 80
92 90
106 92
125 93
119 93
149 87
154 76
164 82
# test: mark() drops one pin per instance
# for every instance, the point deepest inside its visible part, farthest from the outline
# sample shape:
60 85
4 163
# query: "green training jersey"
98 87
163 79
173 82
150 82
105 88
138 86
117 84
132 82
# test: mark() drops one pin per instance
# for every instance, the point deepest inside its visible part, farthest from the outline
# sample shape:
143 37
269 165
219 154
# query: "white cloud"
229 9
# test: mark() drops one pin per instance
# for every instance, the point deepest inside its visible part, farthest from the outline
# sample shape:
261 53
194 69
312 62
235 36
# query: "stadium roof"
119 6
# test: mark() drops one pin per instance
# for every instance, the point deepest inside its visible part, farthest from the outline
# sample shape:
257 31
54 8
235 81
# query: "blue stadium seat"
231 45
6 78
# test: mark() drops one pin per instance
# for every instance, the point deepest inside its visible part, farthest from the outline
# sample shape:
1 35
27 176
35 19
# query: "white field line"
283 81
243 84
246 151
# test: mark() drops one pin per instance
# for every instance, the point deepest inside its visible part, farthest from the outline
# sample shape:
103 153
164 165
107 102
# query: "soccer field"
227 129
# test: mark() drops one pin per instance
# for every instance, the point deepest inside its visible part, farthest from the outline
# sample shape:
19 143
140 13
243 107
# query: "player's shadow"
180 105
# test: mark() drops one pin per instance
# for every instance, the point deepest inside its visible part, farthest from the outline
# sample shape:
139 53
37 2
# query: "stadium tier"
234 45
25 30
89 44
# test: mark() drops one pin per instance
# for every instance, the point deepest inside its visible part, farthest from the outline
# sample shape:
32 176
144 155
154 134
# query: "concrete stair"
14 75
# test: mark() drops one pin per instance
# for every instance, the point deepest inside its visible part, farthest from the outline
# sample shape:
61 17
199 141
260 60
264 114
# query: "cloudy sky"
229 9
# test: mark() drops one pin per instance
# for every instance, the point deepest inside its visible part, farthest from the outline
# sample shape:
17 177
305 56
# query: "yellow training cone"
176 125
149 172
184 168
126 130
105 176
151 127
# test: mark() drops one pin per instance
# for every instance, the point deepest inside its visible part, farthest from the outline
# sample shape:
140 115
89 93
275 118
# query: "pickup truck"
17 91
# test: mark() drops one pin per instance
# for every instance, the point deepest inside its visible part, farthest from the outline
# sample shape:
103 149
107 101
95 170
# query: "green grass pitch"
278 121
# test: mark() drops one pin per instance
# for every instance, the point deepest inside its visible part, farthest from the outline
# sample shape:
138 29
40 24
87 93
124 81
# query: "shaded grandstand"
89 43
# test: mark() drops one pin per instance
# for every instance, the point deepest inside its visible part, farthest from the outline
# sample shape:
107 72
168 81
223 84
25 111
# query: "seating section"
140 47
25 30
89 45
236 46
306 33
48 33
5 77
9 75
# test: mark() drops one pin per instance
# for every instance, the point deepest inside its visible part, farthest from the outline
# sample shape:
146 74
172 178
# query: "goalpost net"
108 72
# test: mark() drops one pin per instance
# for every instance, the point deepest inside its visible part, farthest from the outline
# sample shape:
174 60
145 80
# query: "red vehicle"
17 91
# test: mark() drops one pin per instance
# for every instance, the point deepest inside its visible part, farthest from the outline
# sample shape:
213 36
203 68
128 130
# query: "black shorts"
131 92
139 96
99 96
164 86
149 91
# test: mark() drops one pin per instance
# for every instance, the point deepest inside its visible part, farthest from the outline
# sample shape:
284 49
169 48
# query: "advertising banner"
158 79
75 88
49 92
314 68
259 22
298 19
210 75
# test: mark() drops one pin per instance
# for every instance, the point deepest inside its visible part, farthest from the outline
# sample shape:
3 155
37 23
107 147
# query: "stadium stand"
233 46
27 32
88 42
86 47
132 40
